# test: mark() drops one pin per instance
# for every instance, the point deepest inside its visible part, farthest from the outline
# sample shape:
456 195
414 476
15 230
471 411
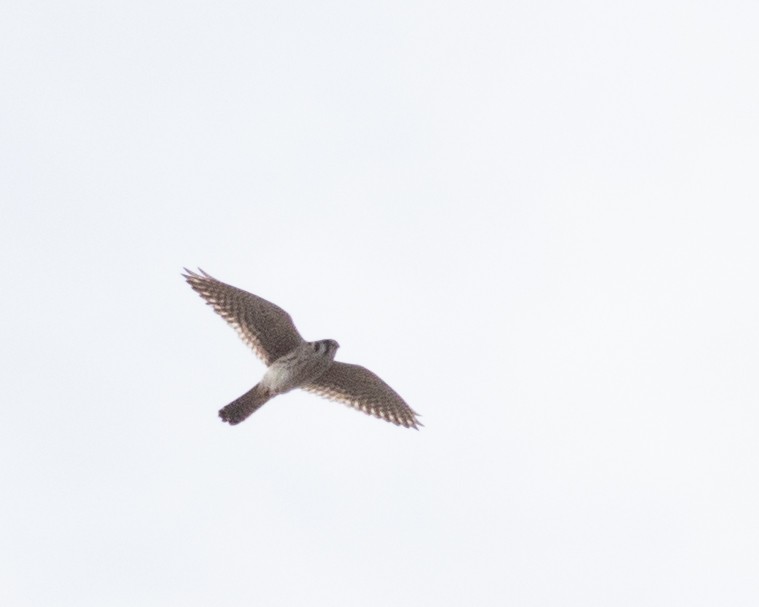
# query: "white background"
536 220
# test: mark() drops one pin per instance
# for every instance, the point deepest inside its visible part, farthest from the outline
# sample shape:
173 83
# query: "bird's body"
299 367
292 361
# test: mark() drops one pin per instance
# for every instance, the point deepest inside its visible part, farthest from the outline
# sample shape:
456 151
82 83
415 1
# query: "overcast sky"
536 220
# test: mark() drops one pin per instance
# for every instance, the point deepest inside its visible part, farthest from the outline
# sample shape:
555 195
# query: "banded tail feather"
242 408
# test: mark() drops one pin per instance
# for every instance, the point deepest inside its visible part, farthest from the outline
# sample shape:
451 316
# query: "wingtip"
190 275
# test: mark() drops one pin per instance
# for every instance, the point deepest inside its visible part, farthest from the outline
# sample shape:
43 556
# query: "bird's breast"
295 369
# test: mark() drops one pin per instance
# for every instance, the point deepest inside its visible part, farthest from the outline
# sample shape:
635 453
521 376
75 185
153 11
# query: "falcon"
293 362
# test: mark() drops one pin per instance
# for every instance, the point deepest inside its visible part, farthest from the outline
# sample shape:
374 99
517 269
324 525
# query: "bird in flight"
293 362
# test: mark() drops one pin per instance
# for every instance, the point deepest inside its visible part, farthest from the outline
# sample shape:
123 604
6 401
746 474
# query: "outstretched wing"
358 387
266 328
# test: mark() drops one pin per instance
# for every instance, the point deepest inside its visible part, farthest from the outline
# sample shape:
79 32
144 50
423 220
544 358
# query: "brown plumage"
293 362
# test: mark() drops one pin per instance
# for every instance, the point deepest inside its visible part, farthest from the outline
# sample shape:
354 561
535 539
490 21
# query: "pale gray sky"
536 220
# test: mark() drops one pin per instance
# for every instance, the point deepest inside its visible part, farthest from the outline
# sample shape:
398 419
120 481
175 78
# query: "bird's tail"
240 409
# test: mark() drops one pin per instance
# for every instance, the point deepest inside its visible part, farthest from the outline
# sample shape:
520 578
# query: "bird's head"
328 347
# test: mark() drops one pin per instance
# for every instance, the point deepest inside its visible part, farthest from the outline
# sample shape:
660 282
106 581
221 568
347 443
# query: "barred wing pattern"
265 327
358 387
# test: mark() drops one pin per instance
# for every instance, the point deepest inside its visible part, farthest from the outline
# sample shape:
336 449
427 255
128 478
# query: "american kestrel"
293 362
